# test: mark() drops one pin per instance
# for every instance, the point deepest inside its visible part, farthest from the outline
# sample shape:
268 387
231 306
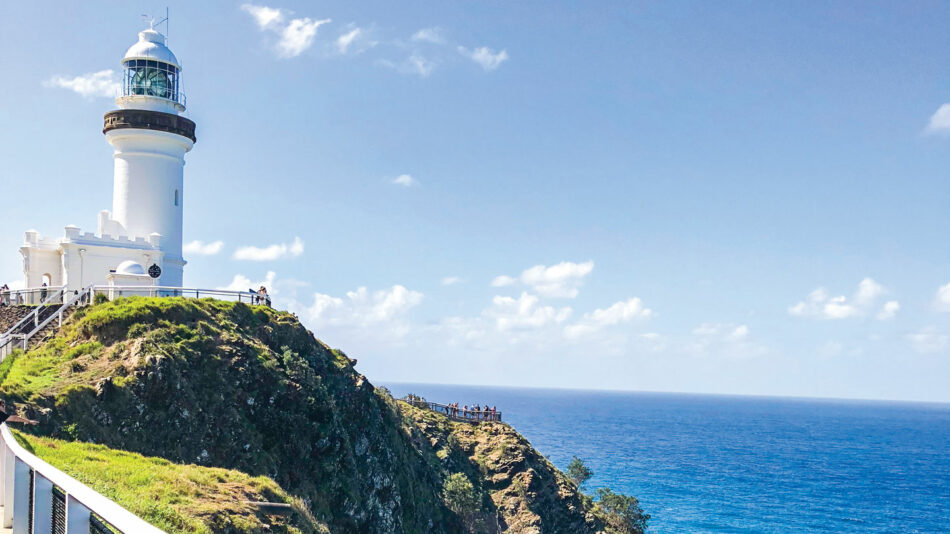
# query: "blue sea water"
701 463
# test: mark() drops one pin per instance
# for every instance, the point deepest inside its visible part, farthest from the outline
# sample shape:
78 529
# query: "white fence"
38 498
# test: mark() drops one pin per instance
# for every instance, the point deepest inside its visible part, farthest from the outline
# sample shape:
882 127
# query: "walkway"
456 414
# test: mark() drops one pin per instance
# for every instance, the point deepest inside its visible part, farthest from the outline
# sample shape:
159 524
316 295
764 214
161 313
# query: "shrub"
100 298
624 514
578 472
459 495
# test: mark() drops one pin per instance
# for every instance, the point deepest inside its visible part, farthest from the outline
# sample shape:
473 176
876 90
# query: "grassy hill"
228 393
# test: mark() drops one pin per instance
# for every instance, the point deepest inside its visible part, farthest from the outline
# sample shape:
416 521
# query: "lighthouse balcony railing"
38 498
247 297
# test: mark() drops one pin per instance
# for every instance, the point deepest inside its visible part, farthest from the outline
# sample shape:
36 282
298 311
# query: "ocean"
704 463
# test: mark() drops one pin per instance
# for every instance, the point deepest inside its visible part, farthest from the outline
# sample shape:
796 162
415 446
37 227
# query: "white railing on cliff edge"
37 498
18 337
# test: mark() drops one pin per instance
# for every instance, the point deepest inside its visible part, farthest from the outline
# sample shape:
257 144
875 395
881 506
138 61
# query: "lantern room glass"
151 78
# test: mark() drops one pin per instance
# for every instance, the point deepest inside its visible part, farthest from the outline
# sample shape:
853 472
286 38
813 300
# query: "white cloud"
485 57
405 180
503 281
451 280
104 83
889 310
429 35
297 36
294 36
726 340
822 305
561 280
203 249
942 301
266 17
414 64
378 313
928 340
270 253
345 40
940 120
524 312
619 312
243 283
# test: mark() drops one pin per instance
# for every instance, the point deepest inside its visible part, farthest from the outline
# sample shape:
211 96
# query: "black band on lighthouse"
149 120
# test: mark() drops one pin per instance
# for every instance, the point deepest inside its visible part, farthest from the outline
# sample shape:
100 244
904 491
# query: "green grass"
174 497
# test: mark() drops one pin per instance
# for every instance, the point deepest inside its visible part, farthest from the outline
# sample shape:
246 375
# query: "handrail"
33 315
453 412
14 297
82 501
249 296
38 326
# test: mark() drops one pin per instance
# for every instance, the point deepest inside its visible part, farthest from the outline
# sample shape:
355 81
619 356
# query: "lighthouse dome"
130 267
151 45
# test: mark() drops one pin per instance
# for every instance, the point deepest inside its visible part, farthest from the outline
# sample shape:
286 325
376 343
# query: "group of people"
262 296
474 413
477 412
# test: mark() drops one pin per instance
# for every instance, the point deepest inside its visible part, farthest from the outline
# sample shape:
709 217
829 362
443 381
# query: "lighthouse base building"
138 242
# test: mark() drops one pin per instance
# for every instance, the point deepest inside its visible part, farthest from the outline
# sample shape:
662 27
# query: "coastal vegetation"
244 396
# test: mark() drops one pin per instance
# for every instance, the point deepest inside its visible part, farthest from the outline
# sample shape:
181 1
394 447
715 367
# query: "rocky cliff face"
248 388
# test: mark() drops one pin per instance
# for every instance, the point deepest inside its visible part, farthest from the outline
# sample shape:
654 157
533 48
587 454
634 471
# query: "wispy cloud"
485 57
346 40
524 312
940 120
560 280
619 312
450 280
820 304
942 300
294 35
243 283
104 83
429 35
405 180
379 313
928 340
203 249
271 252
414 64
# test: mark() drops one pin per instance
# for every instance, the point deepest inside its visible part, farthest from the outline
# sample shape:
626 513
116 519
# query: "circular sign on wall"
154 271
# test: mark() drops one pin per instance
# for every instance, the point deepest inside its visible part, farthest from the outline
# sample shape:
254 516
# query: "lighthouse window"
152 78
176 197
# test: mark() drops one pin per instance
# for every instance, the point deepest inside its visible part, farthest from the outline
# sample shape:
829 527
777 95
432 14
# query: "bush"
624 514
100 298
578 472
459 495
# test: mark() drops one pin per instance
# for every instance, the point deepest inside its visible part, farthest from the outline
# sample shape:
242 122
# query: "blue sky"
743 197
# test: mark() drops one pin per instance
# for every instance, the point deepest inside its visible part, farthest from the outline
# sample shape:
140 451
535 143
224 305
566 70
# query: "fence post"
77 516
21 497
8 478
42 504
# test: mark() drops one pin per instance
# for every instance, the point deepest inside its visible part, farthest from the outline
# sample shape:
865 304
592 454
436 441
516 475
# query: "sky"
738 197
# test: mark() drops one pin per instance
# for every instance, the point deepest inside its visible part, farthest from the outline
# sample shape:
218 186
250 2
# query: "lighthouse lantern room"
139 241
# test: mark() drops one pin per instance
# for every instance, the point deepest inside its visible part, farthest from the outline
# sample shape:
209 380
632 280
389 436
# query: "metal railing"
453 412
50 308
38 498
114 292
30 296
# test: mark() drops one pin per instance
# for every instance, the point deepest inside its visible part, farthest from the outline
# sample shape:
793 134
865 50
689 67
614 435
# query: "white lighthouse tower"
140 241
150 140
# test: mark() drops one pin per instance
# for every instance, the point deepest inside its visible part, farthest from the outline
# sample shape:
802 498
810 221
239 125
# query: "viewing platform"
453 412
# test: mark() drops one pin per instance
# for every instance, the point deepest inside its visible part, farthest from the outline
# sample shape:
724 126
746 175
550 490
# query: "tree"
624 514
460 497
578 472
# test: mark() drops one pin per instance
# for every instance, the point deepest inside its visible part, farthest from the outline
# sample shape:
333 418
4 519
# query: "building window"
176 197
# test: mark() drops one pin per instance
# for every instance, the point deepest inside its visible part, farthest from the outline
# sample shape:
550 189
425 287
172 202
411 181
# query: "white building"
139 242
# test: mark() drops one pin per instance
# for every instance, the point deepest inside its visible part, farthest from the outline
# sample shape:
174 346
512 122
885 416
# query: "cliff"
209 384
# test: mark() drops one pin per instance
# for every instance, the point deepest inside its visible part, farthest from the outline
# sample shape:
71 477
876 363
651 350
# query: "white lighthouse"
140 241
